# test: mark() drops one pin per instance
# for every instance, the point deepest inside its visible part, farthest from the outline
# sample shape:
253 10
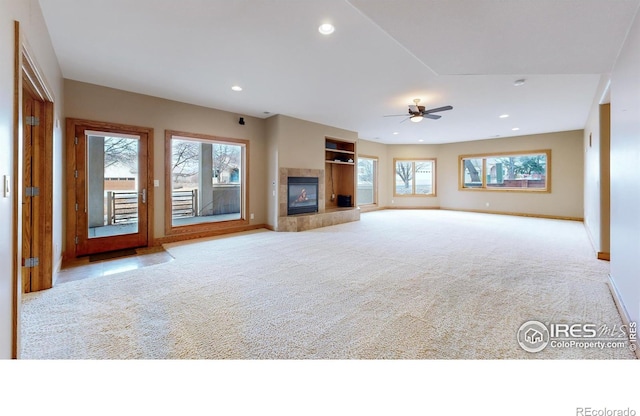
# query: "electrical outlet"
392 201
487 204
251 216
7 186
333 196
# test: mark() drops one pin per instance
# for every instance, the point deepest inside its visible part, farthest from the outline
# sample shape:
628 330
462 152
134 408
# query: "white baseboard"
622 310
56 270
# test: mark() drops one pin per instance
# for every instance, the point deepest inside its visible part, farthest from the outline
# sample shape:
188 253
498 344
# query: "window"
515 171
415 177
367 180
206 182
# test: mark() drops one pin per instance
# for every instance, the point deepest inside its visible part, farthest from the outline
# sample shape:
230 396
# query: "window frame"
485 156
204 227
376 165
413 194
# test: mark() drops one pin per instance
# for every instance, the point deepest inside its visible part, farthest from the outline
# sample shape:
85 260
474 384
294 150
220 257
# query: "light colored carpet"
397 284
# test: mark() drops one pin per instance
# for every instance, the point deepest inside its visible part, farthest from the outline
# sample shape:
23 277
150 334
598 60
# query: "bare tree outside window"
184 157
206 178
404 170
120 151
225 159
510 171
414 178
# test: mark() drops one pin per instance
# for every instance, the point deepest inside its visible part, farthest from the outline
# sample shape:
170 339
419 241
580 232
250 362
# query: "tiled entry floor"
83 268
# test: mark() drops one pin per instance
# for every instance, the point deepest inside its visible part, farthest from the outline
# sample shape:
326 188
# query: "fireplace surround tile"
320 219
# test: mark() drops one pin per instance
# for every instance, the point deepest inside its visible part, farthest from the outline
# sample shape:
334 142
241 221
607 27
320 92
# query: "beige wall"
625 159
295 143
605 178
34 32
301 143
596 144
565 199
591 144
92 102
271 191
425 151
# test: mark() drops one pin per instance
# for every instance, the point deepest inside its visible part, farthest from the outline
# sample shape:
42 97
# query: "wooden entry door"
31 179
111 187
37 185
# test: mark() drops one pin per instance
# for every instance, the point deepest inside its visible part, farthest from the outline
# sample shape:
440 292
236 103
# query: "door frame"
40 225
29 76
70 253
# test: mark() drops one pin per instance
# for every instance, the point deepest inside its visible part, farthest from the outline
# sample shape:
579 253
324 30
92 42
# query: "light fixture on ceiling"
395 133
236 88
417 118
326 28
421 140
518 82
504 116
515 128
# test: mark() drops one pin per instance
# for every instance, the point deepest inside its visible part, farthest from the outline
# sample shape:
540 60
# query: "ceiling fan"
417 112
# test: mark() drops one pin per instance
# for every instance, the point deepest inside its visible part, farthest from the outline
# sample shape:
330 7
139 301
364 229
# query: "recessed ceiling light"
515 128
395 133
236 88
326 28
504 116
518 82
420 140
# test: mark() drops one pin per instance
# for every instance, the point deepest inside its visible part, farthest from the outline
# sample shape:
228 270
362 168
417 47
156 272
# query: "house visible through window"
367 180
521 171
415 177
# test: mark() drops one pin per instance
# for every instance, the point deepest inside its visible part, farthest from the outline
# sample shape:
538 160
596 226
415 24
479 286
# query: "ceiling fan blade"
431 116
404 120
436 110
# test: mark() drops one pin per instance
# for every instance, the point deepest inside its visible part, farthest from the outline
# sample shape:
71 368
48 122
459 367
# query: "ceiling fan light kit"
417 112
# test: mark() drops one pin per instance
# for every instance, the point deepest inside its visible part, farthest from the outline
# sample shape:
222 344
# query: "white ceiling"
382 55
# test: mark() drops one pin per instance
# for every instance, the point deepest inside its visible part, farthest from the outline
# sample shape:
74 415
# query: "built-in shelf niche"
340 172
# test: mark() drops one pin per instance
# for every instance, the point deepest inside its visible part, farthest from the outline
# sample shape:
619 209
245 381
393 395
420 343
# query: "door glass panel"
113 186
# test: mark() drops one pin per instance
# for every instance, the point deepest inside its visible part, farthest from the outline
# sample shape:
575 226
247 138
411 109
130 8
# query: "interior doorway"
37 180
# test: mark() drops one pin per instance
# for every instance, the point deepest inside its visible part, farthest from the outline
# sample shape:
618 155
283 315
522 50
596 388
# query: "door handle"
144 195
